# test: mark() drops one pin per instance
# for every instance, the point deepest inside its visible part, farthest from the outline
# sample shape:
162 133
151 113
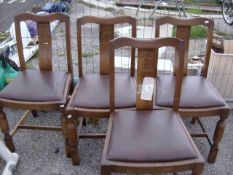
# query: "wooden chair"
198 96
43 89
147 140
90 96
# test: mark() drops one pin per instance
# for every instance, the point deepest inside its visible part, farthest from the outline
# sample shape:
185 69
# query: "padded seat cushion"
93 92
36 86
197 92
149 136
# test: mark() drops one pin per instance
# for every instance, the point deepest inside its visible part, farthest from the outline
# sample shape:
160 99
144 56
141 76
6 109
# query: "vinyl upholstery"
93 92
148 136
196 92
36 86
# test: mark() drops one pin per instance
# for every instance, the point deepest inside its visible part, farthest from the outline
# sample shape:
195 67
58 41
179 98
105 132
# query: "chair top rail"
106 21
185 22
42 18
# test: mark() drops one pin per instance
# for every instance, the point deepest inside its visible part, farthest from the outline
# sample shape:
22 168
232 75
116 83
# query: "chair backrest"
147 65
45 39
220 73
183 30
106 33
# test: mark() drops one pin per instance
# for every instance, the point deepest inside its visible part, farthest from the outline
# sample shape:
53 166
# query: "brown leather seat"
196 92
149 136
93 92
36 86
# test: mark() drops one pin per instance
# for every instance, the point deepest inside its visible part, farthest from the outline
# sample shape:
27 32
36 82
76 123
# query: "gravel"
42 152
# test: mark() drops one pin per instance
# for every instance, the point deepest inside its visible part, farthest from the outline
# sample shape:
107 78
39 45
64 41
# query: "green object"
2 78
7 74
196 32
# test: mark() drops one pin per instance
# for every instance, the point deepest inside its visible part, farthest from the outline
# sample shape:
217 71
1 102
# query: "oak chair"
43 89
90 96
147 140
198 97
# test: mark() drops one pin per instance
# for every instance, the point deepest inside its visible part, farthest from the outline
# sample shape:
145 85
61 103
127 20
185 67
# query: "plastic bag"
7 75
2 78
8 69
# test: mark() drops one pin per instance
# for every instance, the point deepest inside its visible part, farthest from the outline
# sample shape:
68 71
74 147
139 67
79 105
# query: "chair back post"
183 30
45 38
134 35
79 47
180 53
210 25
68 45
106 33
146 64
111 52
19 43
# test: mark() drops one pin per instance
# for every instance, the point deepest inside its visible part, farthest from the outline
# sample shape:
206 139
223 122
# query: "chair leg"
73 140
34 113
218 134
194 120
198 170
105 170
65 134
5 129
84 121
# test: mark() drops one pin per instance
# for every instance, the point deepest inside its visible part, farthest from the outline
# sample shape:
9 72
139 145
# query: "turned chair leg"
5 129
84 121
105 170
65 134
34 113
218 134
73 140
198 170
194 120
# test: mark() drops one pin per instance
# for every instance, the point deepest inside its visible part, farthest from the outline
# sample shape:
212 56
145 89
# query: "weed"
94 121
89 54
196 32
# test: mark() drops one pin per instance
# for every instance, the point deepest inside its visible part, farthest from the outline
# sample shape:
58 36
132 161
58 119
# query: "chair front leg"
84 121
65 134
198 169
218 134
34 113
5 129
105 170
73 140
194 120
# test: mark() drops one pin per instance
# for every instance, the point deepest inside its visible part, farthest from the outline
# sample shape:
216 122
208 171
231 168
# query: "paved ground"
9 8
222 27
